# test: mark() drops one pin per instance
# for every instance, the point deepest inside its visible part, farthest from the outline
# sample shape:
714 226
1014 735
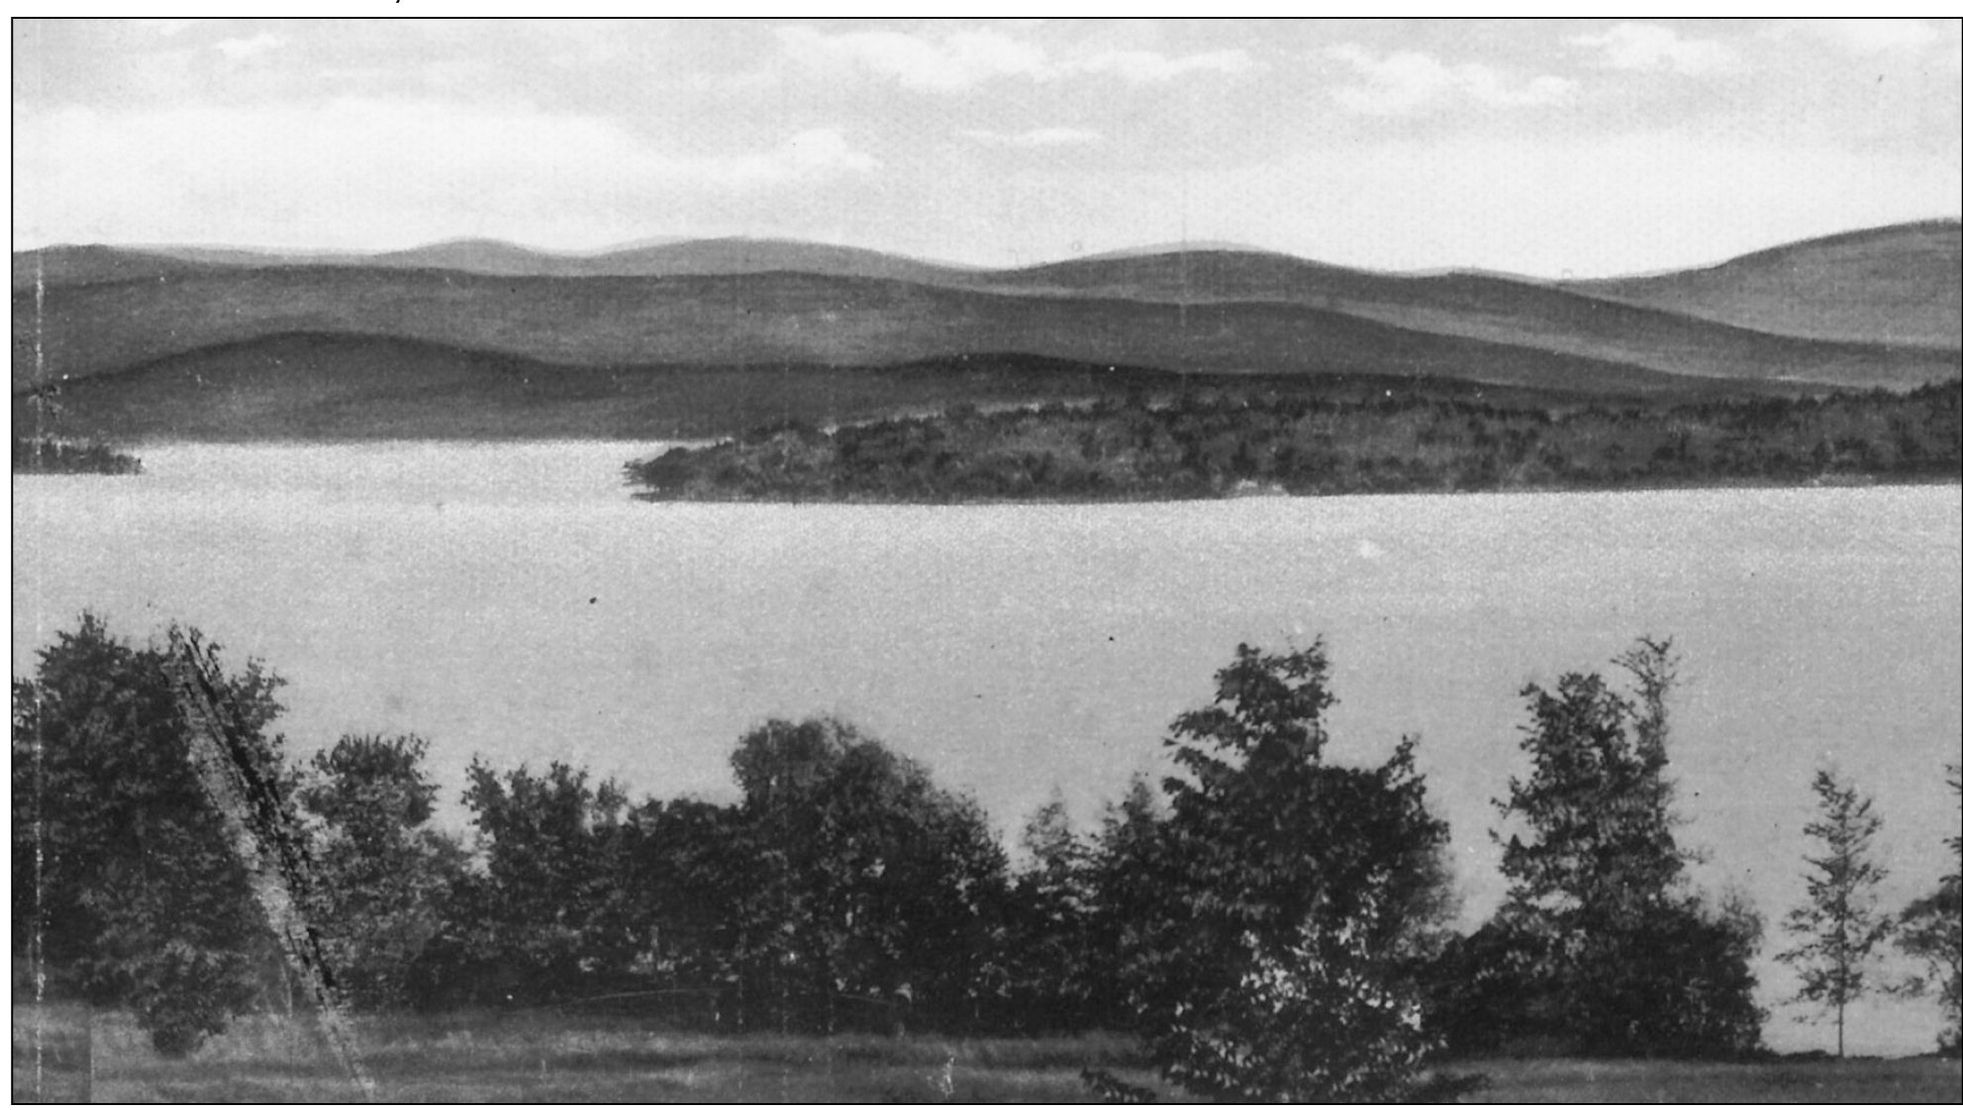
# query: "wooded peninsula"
1222 443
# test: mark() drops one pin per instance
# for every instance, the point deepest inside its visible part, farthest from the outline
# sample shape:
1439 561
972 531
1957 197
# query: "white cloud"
1146 66
962 59
238 49
166 27
1039 137
371 171
1649 46
818 151
1408 82
955 61
1863 36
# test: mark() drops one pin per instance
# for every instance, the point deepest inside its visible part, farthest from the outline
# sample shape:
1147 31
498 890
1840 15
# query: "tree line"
1220 441
47 455
1272 921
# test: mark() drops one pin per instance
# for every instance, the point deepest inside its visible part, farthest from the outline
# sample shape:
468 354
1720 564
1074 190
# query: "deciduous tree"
1598 944
1931 931
1841 924
1050 956
1287 888
383 874
125 884
876 891
553 918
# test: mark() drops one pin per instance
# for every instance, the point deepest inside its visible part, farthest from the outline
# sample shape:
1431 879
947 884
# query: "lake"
512 601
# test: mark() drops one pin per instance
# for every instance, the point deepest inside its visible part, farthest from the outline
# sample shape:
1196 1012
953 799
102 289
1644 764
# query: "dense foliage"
125 889
1279 968
1271 924
41 455
1598 947
1218 444
871 885
383 873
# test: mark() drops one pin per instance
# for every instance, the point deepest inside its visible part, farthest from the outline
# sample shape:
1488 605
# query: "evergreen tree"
1841 925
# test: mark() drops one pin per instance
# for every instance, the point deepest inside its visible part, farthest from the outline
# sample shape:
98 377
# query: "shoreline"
1278 495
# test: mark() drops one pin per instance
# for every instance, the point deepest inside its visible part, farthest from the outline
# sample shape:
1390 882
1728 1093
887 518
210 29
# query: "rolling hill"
1476 306
85 265
790 318
675 258
1901 284
89 265
312 386
739 306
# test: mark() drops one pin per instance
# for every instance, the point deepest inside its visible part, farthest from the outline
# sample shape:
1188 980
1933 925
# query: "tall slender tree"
1840 925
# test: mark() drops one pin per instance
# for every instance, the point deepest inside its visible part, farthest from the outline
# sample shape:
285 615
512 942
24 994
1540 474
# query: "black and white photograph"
792 559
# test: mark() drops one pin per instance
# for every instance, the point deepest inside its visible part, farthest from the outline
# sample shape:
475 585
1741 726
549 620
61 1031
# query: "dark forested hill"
341 387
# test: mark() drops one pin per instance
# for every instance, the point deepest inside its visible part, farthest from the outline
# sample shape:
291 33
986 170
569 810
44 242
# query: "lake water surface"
511 601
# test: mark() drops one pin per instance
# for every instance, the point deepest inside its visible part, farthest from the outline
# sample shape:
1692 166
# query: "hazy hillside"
478 256
669 259
1899 284
68 265
779 318
489 338
754 256
1477 306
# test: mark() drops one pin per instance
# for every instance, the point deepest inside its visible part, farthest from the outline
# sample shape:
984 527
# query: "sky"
1544 147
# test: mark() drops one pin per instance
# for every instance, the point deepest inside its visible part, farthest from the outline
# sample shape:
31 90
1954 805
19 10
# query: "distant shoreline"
1223 447
1509 491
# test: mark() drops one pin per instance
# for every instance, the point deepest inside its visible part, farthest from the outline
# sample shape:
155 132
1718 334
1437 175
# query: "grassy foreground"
543 1057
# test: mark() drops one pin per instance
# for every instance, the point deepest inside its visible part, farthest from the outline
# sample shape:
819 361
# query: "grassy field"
543 1057
1918 1079
553 1058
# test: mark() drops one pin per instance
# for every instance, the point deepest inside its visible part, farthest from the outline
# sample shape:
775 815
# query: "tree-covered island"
1220 443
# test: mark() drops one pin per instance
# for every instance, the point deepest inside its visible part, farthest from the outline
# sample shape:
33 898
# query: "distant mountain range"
1882 307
